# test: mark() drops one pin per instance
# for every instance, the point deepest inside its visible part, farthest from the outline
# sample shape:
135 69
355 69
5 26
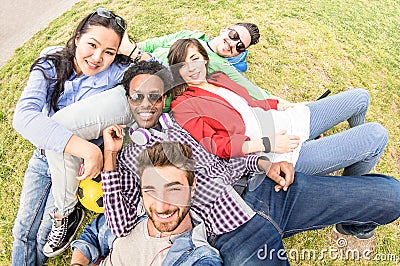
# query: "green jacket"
159 47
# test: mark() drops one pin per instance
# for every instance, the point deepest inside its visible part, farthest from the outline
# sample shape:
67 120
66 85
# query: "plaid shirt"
215 200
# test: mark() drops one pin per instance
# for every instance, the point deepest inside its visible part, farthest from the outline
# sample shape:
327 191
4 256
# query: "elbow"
16 122
21 119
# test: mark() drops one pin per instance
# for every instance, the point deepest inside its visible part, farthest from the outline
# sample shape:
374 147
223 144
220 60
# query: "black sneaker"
63 231
362 236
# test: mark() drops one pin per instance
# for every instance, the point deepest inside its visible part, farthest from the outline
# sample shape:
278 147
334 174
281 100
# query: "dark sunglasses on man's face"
153 98
234 36
102 12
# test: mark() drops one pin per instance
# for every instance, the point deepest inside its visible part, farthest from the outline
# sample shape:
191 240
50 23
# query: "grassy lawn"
306 47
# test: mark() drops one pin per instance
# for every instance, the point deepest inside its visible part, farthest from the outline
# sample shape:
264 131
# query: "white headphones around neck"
142 136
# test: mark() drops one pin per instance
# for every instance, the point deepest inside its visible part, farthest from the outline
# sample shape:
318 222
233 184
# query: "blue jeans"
32 223
356 149
311 202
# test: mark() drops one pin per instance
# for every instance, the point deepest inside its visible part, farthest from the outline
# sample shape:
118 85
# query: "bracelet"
265 158
139 55
267 144
134 49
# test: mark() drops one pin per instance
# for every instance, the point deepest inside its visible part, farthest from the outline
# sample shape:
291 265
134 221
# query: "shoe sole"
58 252
347 234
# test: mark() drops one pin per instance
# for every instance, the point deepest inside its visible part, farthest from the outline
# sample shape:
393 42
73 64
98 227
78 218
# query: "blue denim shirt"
33 106
189 249
95 240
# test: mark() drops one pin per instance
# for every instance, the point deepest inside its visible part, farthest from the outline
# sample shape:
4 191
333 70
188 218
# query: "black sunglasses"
153 98
102 12
234 36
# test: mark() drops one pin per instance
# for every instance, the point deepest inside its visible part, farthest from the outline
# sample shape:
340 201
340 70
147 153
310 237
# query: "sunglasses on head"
153 98
102 12
234 36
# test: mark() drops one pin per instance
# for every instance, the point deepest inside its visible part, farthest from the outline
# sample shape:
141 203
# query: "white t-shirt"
138 248
252 124
261 123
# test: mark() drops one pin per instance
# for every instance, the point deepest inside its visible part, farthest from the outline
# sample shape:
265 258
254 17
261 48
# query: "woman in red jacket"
221 115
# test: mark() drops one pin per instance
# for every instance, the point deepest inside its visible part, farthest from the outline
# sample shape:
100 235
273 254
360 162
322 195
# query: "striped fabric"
214 201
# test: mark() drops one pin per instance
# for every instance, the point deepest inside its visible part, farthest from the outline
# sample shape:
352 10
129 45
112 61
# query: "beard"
171 225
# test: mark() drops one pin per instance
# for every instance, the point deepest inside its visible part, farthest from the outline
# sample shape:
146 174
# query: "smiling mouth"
146 115
91 65
163 216
195 76
228 46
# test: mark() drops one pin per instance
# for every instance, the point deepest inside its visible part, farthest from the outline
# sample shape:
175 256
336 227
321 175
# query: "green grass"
306 47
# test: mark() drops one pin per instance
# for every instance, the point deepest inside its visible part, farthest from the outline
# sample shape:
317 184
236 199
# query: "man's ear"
194 186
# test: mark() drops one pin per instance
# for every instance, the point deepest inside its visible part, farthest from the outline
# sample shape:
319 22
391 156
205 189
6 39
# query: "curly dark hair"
63 60
145 67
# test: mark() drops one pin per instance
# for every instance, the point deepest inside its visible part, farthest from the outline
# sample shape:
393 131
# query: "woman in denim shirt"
93 60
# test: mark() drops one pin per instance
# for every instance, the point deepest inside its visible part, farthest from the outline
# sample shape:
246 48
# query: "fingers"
292 143
274 174
294 138
88 172
126 44
282 132
282 184
92 165
287 171
285 106
119 130
282 174
113 137
115 131
288 181
87 176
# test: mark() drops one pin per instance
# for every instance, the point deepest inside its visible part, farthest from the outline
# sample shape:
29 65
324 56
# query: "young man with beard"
239 226
169 234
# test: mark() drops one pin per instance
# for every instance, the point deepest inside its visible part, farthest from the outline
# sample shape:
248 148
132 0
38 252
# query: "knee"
391 198
377 134
363 97
21 232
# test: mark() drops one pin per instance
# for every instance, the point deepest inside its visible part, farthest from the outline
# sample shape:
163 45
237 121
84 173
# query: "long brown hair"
176 57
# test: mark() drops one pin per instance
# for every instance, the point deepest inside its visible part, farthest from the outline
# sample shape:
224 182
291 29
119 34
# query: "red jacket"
212 121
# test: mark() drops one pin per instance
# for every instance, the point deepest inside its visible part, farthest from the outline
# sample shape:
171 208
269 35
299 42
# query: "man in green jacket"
231 42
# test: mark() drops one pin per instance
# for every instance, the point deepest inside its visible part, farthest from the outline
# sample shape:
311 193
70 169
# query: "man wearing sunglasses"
246 229
230 43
